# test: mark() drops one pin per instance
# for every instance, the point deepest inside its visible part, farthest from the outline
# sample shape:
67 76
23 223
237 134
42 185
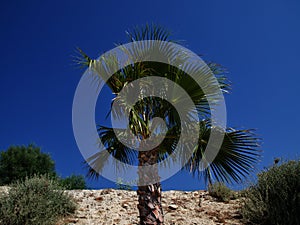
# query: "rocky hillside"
119 207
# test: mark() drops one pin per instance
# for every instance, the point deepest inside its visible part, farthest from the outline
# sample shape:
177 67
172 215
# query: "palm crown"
239 150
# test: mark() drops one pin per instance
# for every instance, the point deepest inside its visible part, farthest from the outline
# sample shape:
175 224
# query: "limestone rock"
173 206
119 207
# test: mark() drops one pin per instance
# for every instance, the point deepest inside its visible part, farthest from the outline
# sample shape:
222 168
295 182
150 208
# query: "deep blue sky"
258 41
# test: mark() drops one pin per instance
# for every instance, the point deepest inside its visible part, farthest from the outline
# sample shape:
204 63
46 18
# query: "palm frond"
220 73
236 157
148 32
81 58
113 148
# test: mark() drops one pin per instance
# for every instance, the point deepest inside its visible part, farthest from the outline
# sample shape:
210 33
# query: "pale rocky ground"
119 207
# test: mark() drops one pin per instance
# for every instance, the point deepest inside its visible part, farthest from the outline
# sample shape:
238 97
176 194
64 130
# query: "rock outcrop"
119 207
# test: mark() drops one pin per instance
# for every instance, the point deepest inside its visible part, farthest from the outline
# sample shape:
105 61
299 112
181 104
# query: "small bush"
37 200
73 182
220 191
275 199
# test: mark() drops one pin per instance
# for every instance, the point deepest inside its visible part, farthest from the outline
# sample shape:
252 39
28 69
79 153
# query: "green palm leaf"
114 148
235 159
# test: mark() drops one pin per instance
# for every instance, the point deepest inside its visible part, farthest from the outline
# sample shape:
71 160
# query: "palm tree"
236 155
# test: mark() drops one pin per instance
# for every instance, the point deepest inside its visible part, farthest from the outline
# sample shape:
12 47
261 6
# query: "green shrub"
275 199
73 182
37 200
19 162
220 191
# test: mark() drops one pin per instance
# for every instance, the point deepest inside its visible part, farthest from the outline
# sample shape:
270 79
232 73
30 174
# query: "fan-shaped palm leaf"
235 159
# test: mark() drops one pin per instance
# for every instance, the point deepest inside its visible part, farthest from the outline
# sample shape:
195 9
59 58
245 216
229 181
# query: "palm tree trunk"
149 196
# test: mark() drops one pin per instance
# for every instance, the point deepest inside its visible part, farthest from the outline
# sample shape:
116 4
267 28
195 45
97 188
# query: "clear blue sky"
258 41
